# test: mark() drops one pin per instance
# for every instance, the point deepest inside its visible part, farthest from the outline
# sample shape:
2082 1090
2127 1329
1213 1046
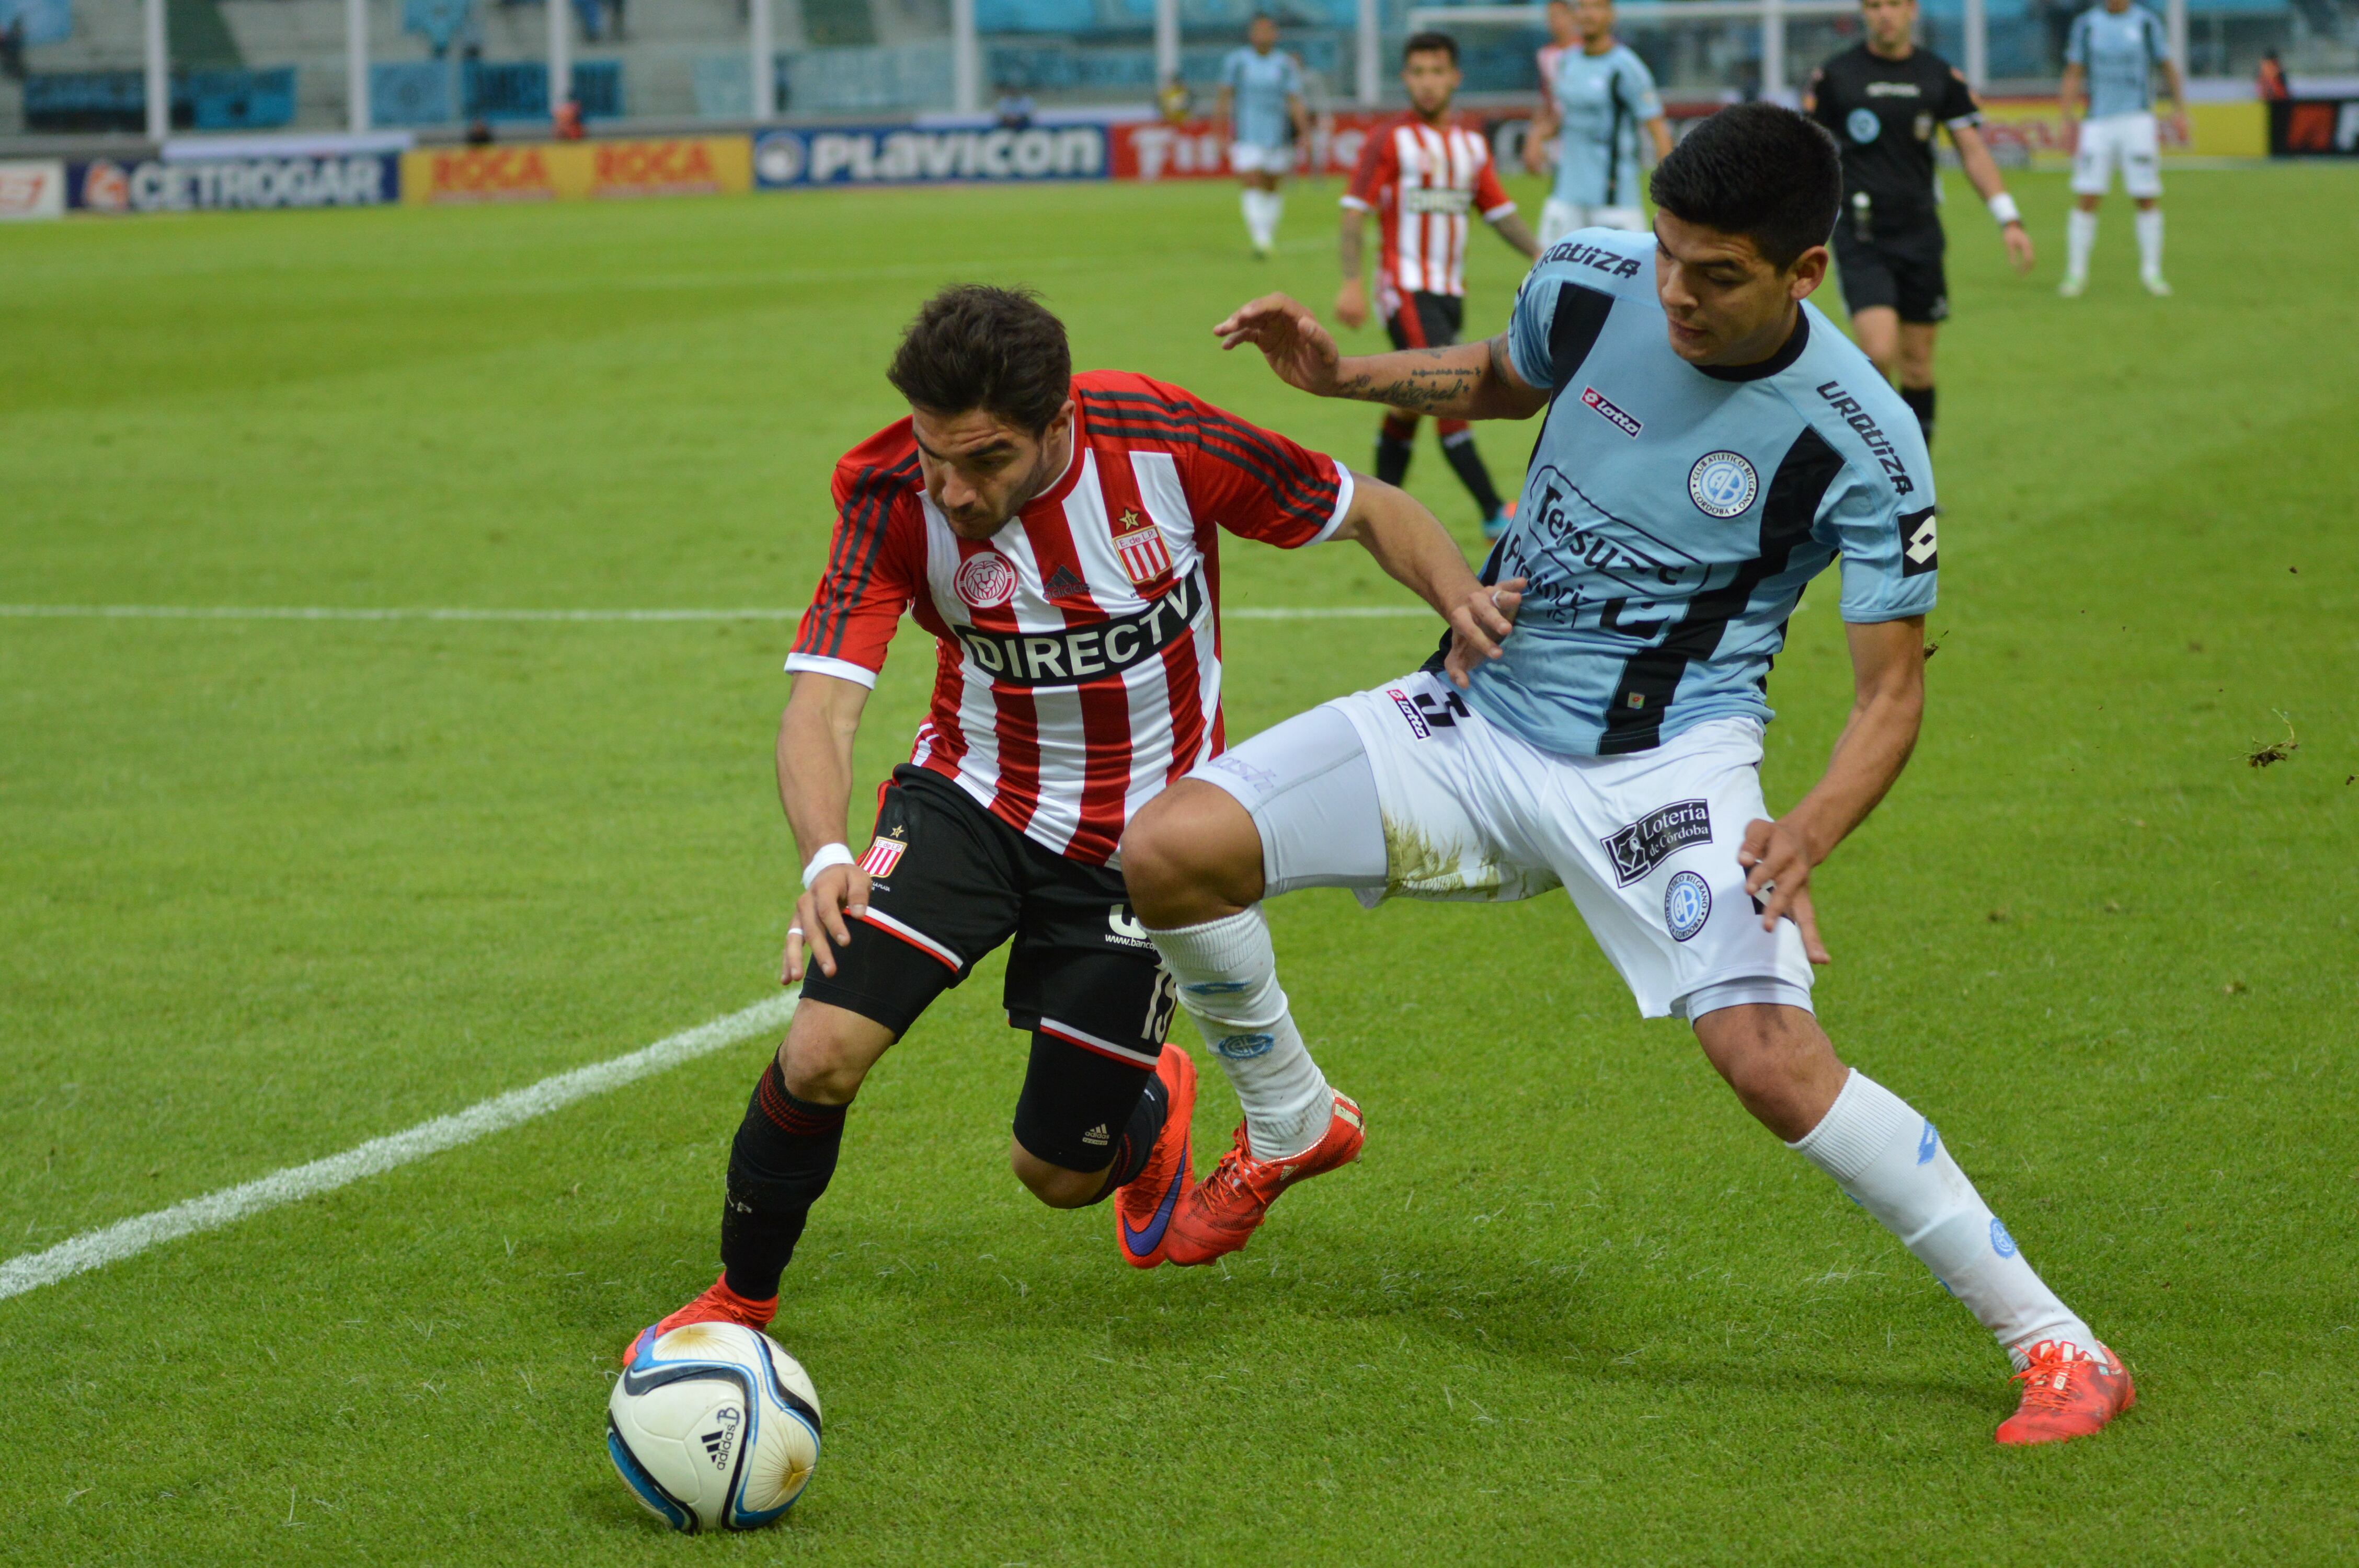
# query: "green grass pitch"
268 889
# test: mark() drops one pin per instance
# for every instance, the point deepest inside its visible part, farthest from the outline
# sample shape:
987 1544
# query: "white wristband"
2004 211
828 855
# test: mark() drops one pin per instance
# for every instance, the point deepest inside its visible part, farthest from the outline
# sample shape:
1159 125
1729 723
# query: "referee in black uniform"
1883 99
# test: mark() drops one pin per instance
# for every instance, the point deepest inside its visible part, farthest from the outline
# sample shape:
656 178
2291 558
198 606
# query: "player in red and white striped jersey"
1421 174
1057 536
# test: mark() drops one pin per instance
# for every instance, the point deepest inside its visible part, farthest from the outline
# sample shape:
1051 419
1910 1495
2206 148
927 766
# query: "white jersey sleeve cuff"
1345 486
1356 205
1501 210
842 669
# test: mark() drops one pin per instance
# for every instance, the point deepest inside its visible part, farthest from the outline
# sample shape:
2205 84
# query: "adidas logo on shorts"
1096 1136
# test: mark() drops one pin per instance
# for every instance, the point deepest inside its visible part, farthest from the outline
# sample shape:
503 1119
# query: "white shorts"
1244 158
2130 140
1559 219
1404 791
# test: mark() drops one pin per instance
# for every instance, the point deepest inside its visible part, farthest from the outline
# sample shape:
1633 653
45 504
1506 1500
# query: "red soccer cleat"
1143 1206
718 1303
1225 1209
2067 1392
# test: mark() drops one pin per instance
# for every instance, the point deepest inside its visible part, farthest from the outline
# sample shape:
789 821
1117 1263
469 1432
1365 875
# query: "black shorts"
1897 271
1083 977
1427 320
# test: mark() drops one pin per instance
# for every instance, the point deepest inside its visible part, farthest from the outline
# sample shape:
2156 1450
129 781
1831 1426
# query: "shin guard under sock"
1458 445
784 1152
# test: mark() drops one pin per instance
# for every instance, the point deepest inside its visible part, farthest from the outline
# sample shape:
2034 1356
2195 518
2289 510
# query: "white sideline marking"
126 1239
362 613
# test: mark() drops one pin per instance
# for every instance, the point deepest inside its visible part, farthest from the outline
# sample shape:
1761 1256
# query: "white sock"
2080 239
1274 208
1228 982
1894 1165
1249 201
2149 239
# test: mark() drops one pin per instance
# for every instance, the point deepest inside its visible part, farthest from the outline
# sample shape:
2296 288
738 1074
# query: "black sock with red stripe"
1458 445
780 1164
1394 442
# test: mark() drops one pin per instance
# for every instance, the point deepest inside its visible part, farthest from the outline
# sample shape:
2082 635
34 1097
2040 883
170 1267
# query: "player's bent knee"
1191 854
828 1051
1054 1185
1778 1061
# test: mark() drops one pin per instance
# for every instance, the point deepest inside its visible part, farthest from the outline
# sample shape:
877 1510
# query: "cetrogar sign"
903 155
366 179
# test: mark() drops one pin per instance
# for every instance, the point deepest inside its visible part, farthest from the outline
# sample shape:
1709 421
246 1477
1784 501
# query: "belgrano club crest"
1140 544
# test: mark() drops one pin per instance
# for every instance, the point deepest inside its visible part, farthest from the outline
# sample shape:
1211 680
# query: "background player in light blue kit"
1710 444
1600 94
2109 65
1261 103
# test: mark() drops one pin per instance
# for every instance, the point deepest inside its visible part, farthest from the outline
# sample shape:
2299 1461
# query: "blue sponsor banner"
907 155
193 184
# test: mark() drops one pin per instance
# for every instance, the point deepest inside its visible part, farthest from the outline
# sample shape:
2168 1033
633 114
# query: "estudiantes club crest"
1139 543
986 580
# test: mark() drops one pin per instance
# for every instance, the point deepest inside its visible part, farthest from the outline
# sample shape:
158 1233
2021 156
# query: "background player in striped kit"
1601 95
1884 101
2108 105
1261 103
1420 174
1056 534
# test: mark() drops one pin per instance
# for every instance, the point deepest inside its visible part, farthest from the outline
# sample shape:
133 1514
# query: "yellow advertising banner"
573 171
2032 128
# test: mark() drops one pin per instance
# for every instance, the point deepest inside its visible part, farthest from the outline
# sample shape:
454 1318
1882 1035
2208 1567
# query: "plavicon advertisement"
357 179
905 155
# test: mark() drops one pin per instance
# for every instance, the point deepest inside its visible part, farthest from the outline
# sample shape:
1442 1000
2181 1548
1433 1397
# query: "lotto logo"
1920 547
1417 725
1593 398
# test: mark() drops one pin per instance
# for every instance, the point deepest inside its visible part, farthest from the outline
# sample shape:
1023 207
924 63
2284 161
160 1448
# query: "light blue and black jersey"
1259 85
1602 98
2119 54
1673 513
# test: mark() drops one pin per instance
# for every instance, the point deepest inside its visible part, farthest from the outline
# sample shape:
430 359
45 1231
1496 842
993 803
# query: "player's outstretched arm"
815 786
1416 551
1351 298
1982 172
1887 660
1539 133
1467 381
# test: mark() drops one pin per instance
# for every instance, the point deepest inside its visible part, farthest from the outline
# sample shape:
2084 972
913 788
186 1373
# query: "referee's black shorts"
1427 320
1899 271
950 883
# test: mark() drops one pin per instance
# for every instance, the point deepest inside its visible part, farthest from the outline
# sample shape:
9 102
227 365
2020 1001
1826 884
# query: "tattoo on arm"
1430 384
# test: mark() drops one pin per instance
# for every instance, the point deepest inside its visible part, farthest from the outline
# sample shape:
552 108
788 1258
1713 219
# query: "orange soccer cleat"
2067 1392
718 1303
1225 1209
1144 1204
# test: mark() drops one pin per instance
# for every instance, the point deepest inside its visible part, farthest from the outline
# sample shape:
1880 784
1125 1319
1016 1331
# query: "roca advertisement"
905 155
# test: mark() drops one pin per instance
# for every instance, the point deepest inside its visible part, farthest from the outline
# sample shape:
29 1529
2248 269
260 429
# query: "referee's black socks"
1920 402
1394 442
1458 445
781 1161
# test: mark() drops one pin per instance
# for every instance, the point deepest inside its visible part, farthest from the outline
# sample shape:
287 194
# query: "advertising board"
554 172
32 189
907 155
190 185
2314 127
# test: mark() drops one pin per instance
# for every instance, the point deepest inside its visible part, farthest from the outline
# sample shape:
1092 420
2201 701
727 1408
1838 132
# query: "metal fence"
153 67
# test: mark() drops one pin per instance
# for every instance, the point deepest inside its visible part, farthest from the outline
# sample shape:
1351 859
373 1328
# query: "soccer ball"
713 1426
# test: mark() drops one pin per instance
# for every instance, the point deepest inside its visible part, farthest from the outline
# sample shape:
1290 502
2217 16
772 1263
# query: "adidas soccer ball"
713 1426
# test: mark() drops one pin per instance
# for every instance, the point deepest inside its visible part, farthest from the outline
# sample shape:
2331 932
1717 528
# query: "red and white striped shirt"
1420 179
1078 665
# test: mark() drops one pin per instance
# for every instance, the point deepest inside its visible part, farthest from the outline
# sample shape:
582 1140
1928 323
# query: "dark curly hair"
975 346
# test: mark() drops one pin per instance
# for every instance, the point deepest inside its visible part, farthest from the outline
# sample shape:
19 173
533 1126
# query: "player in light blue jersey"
1708 444
1261 103
1600 96
2108 106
